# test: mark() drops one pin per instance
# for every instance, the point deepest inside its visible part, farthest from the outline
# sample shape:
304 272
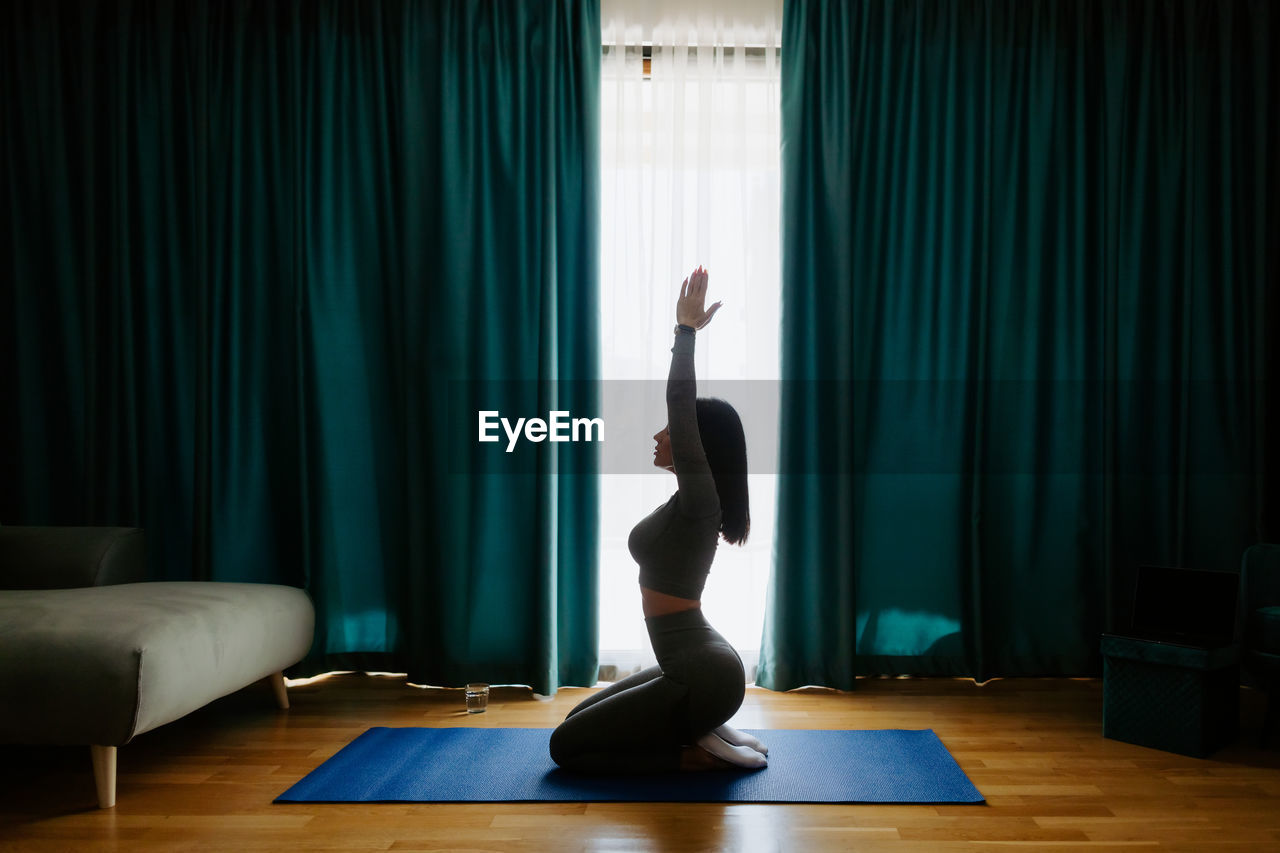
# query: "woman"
672 716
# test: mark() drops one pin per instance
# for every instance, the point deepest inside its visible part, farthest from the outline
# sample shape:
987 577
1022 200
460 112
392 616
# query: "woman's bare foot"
737 738
694 757
739 756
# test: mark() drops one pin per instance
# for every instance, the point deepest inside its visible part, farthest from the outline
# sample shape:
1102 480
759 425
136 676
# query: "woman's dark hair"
723 441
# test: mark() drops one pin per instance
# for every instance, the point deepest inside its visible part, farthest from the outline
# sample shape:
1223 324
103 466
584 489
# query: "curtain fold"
263 258
1025 276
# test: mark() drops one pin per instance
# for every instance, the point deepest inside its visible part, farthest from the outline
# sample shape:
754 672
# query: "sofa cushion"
99 665
1264 629
64 557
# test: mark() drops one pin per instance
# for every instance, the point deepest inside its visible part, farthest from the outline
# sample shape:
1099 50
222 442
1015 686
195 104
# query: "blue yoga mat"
433 765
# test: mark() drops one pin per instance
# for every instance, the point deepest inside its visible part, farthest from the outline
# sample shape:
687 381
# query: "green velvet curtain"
1029 302
259 260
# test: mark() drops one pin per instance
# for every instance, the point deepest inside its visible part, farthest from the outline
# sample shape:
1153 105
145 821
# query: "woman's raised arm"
698 497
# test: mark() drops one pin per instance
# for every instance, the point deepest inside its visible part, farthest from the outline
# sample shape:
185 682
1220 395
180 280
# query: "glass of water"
477 698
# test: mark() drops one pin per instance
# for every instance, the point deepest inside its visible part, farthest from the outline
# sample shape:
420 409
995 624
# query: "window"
690 175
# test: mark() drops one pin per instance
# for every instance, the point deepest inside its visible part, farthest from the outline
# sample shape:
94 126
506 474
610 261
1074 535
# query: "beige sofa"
90 654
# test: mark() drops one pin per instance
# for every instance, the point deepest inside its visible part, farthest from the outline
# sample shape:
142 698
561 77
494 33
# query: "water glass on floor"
477 698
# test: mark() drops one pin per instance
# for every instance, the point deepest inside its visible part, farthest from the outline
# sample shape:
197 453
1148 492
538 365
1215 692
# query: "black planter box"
1175 698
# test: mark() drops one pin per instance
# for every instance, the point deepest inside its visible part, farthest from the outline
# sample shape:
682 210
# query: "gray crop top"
676 543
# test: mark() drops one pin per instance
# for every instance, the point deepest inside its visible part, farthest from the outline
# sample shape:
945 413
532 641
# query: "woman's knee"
562 751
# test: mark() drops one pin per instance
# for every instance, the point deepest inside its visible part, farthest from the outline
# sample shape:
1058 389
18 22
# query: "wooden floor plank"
1033 747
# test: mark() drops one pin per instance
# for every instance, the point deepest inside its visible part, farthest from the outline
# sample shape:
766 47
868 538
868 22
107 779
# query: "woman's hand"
693 293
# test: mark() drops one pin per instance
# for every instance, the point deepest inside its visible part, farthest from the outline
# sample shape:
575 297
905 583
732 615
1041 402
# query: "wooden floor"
1033 747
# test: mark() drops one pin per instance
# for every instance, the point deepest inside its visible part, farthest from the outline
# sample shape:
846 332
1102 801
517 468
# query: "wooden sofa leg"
104 774
282 693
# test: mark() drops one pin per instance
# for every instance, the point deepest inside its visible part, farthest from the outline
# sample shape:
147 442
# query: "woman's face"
662 453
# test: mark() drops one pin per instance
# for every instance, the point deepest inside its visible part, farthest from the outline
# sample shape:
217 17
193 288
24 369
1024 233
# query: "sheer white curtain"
690 175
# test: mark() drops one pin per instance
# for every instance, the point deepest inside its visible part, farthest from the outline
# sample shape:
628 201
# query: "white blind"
752 23
690 175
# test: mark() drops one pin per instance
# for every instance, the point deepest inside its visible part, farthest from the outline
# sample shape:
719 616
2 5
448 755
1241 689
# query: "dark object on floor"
1171 677
1260 615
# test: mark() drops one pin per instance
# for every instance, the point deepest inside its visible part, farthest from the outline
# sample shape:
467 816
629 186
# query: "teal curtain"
262 260
1029 301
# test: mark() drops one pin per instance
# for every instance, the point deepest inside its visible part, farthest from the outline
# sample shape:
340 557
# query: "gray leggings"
640 724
